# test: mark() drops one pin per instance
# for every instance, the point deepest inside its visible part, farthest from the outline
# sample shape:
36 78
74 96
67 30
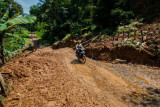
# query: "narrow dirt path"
54 78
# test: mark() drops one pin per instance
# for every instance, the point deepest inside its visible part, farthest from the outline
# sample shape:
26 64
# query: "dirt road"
54 78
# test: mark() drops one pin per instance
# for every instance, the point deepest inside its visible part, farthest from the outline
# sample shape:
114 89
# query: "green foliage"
9 43
4 18
57 43
132 45
102 36
121 15
131 33
20 20
88 33
15 41
41 29
2 98
131 26
120 28
67 37
63 17
135 24
126 29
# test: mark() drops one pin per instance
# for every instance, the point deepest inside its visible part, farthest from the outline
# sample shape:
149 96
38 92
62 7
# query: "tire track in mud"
103 79
123 88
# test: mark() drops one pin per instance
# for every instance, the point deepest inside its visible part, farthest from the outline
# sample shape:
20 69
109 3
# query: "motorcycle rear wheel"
83 60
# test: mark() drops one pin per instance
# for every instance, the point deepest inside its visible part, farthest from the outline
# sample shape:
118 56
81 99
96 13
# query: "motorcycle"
81 56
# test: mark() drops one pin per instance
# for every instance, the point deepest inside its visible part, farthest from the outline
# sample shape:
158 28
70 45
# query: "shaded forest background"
58 18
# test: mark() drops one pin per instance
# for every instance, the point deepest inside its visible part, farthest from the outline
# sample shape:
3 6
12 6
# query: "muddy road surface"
54 78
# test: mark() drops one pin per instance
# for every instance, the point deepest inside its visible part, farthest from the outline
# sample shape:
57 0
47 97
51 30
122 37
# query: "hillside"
126 46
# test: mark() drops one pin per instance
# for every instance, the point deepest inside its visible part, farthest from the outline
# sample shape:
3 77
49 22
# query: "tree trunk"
2 50
2 85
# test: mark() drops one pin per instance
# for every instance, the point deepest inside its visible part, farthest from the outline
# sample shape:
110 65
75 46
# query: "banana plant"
7 25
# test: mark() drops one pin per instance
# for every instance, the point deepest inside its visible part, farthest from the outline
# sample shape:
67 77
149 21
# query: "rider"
79 47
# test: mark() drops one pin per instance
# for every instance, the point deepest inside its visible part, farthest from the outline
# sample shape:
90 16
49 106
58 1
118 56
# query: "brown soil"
107 52
54 78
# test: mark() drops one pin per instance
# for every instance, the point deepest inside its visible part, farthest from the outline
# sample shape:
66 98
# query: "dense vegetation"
12 37
57 18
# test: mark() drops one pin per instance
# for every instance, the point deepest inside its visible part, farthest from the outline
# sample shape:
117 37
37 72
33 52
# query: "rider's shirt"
79 47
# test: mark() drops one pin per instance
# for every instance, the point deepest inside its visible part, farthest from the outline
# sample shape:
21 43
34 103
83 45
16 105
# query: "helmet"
79 41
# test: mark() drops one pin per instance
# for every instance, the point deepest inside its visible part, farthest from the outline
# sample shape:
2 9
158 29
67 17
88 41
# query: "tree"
6 25
11 6
62 17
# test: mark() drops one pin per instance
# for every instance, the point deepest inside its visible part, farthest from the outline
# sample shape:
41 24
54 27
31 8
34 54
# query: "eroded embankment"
108 52
100 51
